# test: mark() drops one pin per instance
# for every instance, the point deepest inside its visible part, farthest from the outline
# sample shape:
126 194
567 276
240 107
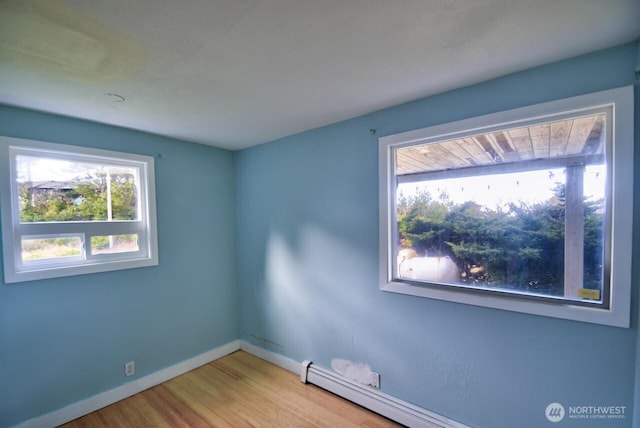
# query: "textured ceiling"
235 73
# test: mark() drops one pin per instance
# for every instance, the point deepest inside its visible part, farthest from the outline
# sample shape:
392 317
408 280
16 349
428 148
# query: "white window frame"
13 230
621 135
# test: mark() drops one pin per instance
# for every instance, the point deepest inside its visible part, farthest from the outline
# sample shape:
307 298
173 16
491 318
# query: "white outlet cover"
129 368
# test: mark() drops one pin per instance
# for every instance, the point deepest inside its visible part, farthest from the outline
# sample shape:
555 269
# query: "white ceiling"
235 73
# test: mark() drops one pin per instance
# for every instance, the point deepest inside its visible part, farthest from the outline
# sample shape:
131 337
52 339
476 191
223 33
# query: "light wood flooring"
239 390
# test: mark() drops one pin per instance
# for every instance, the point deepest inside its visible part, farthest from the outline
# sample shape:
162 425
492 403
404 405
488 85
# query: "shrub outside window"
70 210
527 210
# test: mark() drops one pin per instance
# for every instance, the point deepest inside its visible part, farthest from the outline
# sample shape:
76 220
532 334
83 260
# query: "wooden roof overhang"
578 141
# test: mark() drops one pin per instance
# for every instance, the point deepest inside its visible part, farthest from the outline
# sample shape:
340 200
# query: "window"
528 210
70 210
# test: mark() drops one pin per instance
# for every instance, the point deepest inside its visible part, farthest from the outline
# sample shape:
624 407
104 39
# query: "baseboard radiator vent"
374 400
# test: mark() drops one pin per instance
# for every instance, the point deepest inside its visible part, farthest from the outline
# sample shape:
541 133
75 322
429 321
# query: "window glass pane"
53 190
521 210
112 244
34 249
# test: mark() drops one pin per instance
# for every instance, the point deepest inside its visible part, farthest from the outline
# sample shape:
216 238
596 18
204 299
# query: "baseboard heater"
374 400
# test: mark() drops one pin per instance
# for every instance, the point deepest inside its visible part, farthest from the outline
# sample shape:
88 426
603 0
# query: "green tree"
422 223
519 246
86 201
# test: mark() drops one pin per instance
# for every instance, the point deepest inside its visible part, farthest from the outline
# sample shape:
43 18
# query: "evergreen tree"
519 246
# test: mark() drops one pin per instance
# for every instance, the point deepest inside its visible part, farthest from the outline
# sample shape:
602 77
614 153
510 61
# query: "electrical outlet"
129 368
375 380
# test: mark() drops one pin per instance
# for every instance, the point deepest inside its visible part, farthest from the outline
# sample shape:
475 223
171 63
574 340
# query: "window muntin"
474 211
72 210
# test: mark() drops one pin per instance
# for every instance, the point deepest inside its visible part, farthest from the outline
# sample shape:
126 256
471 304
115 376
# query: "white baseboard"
91 404
273 358
375 400
367 397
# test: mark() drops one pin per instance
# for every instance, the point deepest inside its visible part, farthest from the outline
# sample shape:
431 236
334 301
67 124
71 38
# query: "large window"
527 210
70 210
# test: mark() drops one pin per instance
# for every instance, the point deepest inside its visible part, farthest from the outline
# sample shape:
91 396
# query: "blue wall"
636 240
307 239
67 339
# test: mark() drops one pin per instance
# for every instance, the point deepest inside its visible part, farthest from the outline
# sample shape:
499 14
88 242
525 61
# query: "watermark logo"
555 412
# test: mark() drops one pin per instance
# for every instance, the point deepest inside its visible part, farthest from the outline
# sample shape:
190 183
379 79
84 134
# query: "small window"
527 210
70 210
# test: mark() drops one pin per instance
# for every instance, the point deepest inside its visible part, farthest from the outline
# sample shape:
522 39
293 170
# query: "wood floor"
239 390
